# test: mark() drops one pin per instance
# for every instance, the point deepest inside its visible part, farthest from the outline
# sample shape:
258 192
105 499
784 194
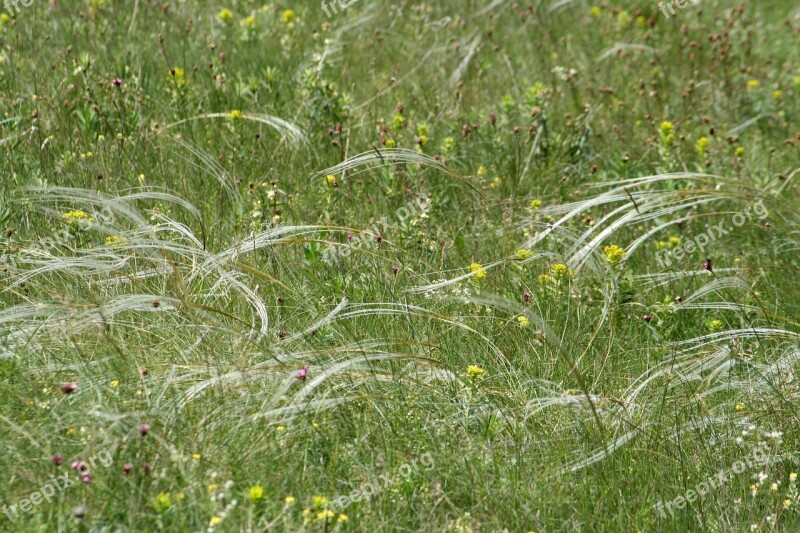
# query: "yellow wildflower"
753 84
289 500
614 254
523 254
544 279
595 11
702 145
777 95
225 15
481 170
331 179
523 321
342 518
740 407
480 272
112 240
255 493
77 216
740 151
236 114
560 270
475 371
196 456
114 384
320 501
215 521
536 204
288 16
162 502
249 22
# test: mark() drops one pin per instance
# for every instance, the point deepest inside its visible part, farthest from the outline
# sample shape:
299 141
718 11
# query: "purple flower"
69 388
127 467
395 268
707 265
678 298
87 479
81 466
281 333
526 296
57 460
378 239
302 373
144 429
647 318
117 81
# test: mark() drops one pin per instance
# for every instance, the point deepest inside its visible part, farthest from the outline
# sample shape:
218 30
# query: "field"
458 265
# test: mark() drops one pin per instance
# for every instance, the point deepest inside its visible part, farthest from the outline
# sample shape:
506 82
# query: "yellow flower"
236 114
641 21
777 95
4 18
215 520
667 130
560 270
162 502
702 145
674 240
480 272
212 487
196 456
740 407
249 22
792 476
523 254
177 76
481 170
740 151
614 254
342 518
714 325
324 515
391 143
331 179
544 279
595 11
787 503
288 16
475 371
523 321
496 182
320 501
753 84
289 500
112 240
255 493
76 216
114 384
280 429
225 15
536 204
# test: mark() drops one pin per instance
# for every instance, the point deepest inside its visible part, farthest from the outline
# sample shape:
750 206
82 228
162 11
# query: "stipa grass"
211 270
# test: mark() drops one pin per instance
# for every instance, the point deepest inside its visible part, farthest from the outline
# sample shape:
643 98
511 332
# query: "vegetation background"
262 256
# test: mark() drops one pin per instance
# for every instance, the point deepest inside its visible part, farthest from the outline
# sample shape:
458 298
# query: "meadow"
456 265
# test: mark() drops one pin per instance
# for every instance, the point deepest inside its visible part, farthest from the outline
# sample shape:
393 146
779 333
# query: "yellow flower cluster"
479 271
614 254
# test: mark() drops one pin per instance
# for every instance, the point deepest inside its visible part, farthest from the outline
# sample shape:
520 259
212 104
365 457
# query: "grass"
509 266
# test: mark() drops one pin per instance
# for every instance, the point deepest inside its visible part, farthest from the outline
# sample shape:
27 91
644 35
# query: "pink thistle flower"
303 373
69 388
647 318
57 460
144 429
126 468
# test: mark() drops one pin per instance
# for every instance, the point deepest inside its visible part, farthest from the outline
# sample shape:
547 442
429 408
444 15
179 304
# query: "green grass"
389 198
